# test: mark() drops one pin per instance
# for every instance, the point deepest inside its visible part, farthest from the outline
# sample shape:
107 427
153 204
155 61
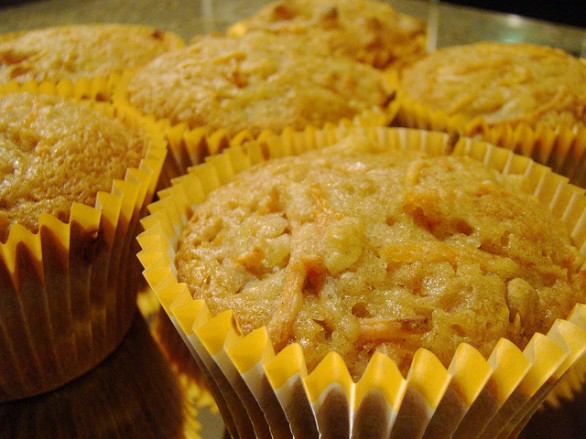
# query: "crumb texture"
501 82
78 51
54 152
355 249
256 82
368 31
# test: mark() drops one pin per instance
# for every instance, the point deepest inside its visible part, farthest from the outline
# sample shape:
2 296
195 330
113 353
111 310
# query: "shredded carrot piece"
280 326
425 251
377 328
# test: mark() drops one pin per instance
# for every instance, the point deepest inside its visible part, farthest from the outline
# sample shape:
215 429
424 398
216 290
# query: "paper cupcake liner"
562 148
170 342
92 86
190 145
68 291
263 394
96 88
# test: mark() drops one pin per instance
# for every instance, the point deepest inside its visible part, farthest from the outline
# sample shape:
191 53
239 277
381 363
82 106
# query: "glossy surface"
136 392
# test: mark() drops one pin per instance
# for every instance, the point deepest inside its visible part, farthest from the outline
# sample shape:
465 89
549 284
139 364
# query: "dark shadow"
133 394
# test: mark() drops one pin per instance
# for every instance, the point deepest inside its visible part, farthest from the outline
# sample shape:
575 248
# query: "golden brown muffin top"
78 51
256 82
501 82
54 152
370 31
355 249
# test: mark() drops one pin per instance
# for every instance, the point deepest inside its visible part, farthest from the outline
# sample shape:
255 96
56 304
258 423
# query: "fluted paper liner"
67 294
88 85
190 145
266 394
562 148
97 88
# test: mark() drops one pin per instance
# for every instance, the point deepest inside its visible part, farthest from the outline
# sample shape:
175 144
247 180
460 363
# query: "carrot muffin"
55 152
75 178
500 83
254 83
80 51
354 249
370 31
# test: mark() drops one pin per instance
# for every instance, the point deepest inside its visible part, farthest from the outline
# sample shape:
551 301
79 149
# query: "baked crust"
354 250
256 82
55 151
501 83
80 51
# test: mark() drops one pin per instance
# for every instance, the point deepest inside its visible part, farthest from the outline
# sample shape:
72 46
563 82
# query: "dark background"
571 12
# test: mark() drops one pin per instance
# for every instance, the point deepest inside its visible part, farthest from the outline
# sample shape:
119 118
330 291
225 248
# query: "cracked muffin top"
256 82
357 249
80 51
501 83
53 152
369 31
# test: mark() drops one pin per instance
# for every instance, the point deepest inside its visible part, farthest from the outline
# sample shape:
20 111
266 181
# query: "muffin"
389 273
80 52
75 178
244 86
529 98
351 250
501 83
369 31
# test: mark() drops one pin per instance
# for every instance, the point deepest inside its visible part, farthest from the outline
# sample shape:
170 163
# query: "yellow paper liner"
174 347
94 87
427 382
562 148
69 290
190 145
98 88
469 373
248 354
175 350
473 397
564 338
571 382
